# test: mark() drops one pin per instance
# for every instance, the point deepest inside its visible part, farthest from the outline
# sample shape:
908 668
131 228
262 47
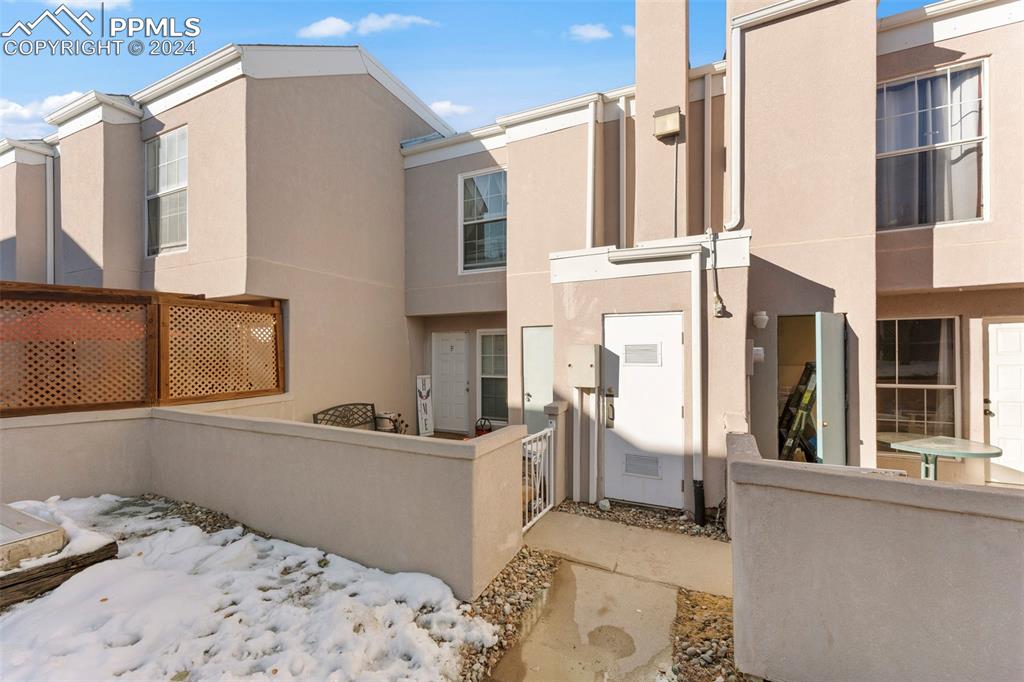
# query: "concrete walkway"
653 555
608 614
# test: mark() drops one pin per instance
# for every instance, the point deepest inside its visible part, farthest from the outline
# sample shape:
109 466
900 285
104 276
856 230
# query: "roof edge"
91 100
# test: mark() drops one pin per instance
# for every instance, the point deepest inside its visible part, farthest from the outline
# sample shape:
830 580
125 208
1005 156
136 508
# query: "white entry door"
1006 400
643 432
538 376
830 401
450 379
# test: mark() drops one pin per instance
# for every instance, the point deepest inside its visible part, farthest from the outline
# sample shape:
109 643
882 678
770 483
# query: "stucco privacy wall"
330 236
976 252
23 222
853 575
810 207
400 503
8 221
432 232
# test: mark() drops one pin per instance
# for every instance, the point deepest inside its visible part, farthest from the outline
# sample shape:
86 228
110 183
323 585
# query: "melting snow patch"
178 600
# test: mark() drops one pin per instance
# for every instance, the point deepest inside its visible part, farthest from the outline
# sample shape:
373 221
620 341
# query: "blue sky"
472 61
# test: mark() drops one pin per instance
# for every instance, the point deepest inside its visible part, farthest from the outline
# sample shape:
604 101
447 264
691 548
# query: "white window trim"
957 416
146 196
459 227
480 333
985 139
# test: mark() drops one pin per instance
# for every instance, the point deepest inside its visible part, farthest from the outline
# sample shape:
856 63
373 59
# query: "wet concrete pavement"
595 625
608 614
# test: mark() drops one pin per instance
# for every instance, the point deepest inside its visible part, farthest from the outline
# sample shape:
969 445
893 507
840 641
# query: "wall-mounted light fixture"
760 319
667 122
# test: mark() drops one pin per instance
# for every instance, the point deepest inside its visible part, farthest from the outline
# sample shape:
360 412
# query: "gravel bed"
654 517
208 520
702 646
505 604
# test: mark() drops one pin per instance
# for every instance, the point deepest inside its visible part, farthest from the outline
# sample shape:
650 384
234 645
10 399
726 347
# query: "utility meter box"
584 365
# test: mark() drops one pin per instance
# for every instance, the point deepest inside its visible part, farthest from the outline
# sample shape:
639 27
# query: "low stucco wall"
75 455
400 503
864 575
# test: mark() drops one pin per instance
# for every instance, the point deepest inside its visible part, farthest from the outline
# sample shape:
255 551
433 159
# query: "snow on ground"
228 605
80 540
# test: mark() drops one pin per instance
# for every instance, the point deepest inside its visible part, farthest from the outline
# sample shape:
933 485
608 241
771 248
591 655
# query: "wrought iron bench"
355 416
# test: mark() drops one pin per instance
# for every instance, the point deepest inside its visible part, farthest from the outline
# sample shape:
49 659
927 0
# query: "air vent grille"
643 354
647 466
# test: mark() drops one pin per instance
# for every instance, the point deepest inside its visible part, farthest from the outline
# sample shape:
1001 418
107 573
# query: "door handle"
989 413
529 396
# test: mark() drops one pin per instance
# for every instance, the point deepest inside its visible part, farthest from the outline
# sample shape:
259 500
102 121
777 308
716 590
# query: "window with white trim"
493 376
917 382
167 192
482 212
929 142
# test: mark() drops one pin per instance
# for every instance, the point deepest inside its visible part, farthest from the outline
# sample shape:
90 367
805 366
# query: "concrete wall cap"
556 407
37 420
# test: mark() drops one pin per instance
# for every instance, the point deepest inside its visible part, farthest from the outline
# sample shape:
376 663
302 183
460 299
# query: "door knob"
989 413
529 396
824 425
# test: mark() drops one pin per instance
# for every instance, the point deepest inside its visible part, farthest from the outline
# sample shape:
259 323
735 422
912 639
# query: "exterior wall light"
667 122
760 319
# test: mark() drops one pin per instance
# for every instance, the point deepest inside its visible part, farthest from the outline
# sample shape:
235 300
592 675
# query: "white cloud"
20 121
328 27
446 107
375 23
629 30
586 33
90 4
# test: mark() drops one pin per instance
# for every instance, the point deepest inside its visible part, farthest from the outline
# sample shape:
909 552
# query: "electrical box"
584 365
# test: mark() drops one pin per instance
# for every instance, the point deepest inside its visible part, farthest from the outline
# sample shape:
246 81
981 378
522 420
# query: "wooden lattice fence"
79 348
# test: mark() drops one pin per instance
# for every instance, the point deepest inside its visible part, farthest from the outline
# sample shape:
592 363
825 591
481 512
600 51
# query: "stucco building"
841 190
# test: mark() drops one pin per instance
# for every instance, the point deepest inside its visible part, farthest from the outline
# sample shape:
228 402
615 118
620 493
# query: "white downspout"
696 415
591 174
595 417
622 172
577 430
735 123
51 266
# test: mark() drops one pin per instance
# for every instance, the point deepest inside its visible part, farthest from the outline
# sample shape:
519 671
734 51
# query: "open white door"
643 429
830 401
450 382
1005 407
538 376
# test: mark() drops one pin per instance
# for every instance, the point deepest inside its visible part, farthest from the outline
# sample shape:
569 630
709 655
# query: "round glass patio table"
932 447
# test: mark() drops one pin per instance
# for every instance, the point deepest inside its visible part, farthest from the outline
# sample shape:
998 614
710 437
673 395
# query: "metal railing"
538 475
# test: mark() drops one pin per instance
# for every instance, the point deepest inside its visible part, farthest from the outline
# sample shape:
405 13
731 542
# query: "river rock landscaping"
655 518
702 646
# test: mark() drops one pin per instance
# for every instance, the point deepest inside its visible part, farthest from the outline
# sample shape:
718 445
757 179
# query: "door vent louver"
643 354
643 465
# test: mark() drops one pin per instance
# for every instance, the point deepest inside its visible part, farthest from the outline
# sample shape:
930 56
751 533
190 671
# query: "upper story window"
929 143
167 192
482 207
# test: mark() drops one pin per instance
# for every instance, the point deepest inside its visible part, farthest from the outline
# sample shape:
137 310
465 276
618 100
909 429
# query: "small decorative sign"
424 410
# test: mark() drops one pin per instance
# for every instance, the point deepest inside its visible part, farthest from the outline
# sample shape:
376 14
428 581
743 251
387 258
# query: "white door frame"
985 372
433 375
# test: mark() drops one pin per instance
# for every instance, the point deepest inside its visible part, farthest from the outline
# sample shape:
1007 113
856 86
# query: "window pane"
932 92
900 99
167 221
880 103
901 132
966 120
941 413
483 196
966 84
886 406
927 352
910 411
484 246
494 398
933 126
938 185
885 345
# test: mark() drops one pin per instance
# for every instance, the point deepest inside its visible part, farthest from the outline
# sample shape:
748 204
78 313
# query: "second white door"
643 443
1006 400
450 378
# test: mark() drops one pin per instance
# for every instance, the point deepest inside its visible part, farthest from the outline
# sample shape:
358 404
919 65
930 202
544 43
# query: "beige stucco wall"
451 509
326 231
811 208
433 283
75 455
579 319
547 187
23 222
695 165
214 263
854 575
974 253
101 206
662 60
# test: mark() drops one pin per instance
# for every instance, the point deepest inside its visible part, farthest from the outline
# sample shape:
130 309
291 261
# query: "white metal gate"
538 475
